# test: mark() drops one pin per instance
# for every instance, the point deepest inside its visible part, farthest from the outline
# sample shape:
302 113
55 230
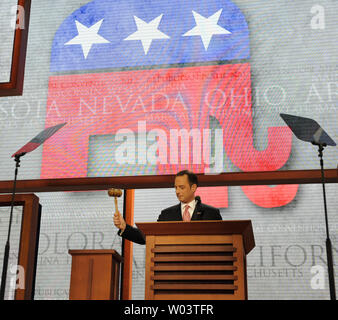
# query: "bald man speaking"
189 208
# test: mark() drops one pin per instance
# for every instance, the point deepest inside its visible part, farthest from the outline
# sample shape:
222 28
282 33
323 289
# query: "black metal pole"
7 247
123 246
328 241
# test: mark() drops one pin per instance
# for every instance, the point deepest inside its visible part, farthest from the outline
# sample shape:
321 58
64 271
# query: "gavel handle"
115 198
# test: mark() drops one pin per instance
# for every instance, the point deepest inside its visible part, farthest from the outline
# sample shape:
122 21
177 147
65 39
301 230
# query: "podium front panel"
195 267
95 275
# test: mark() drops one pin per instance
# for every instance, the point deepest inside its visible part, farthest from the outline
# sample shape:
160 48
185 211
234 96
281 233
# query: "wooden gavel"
115 193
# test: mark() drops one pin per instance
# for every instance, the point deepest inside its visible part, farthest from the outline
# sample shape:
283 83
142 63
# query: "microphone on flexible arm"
199 209
198 199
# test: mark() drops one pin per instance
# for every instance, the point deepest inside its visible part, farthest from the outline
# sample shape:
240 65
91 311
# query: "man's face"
184 192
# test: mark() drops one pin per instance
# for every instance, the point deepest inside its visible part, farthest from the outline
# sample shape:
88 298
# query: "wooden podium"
95 275
197 260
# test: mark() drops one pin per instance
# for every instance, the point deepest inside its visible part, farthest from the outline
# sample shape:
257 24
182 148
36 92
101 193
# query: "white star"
147 32
206 27
87 37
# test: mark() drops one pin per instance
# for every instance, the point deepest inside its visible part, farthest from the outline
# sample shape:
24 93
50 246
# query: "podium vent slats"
170 267
185 277
185 269
186 287
196 248
194 258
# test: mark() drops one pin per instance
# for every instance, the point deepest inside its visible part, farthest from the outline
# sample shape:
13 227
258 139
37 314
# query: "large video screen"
152 87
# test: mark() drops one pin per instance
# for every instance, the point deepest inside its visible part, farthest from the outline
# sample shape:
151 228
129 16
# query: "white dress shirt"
192 206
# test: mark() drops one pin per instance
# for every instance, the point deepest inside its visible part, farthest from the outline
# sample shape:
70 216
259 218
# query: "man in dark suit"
189 208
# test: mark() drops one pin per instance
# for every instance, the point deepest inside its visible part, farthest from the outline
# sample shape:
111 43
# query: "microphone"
198 205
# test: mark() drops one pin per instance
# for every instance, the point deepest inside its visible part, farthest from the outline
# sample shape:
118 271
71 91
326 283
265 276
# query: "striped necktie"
186 214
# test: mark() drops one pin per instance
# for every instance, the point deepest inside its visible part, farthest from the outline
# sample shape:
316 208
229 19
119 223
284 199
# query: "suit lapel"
177 213
197 214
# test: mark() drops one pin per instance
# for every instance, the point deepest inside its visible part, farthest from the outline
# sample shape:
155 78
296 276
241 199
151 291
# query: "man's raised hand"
119 221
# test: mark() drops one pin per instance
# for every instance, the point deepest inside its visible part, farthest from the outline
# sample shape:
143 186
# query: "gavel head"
115 192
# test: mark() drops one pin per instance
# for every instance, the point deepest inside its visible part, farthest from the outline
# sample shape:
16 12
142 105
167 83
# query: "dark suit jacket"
202 212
